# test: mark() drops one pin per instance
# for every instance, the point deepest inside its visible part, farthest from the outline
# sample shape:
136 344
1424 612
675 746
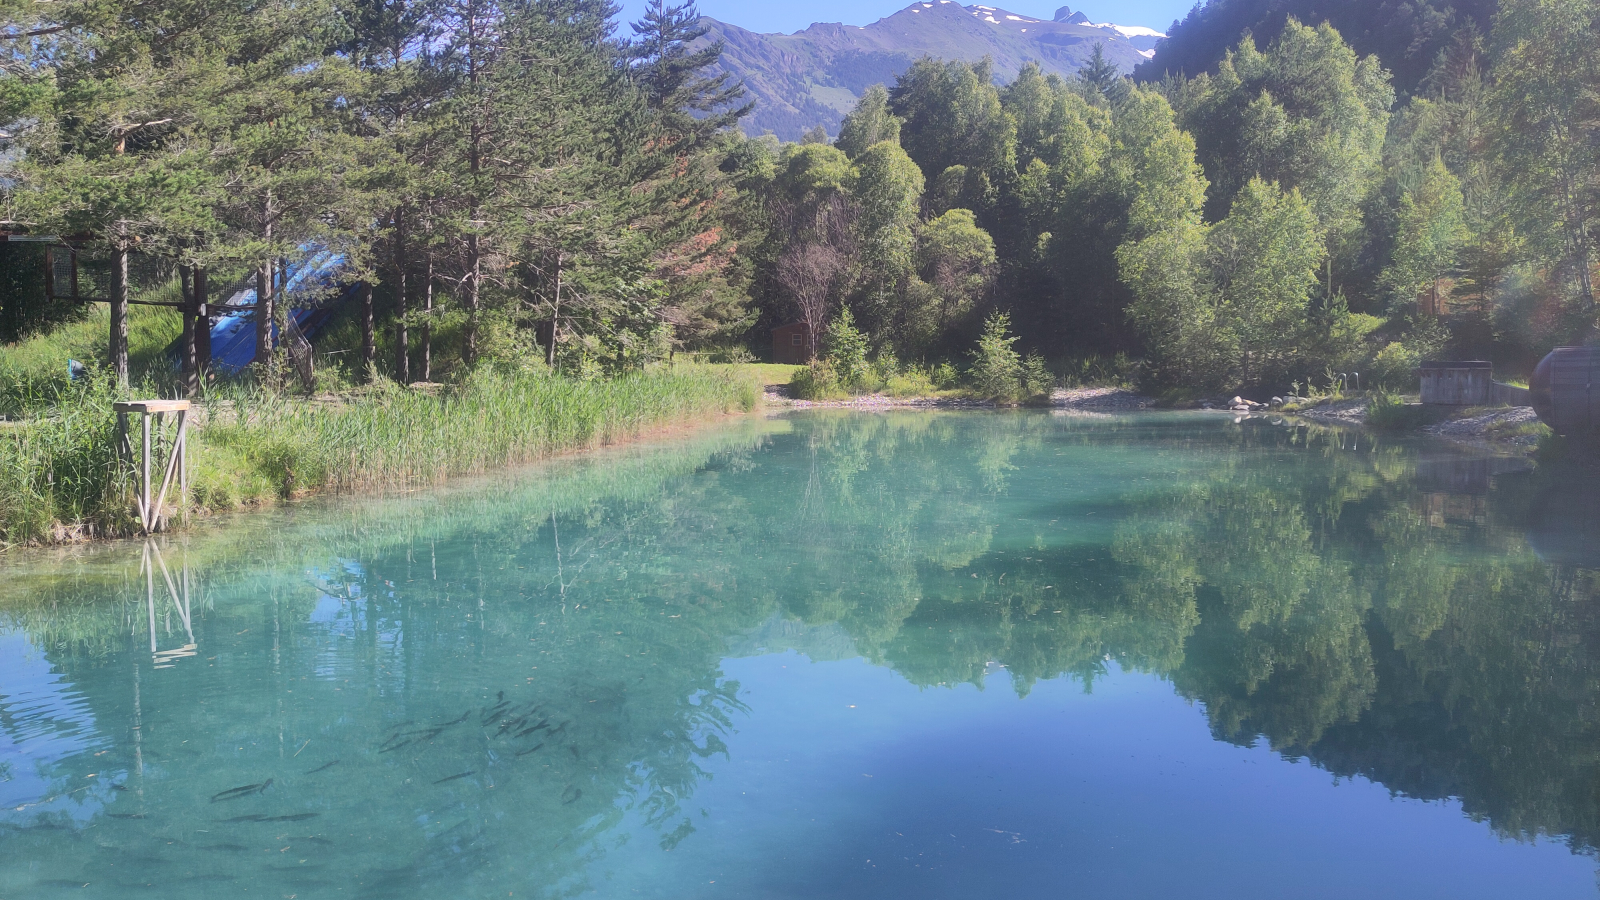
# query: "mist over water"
846 655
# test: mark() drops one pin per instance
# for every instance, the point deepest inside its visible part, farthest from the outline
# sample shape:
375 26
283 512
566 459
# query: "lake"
902 655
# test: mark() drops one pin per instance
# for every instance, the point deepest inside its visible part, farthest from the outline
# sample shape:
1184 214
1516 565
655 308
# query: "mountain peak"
815 76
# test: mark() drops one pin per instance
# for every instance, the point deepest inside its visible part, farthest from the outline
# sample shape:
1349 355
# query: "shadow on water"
486 687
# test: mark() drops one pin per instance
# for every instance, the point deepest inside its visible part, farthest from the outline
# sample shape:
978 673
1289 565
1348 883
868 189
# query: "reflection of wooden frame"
166 659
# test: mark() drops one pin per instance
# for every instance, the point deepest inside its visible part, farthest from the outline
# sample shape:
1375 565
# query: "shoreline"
1477 431
1085 399
271 453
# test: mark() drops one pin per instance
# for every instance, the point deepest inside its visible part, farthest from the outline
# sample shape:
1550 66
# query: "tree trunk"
402 341
474 167
119 316
264 314
427 324
368 347
189 359
202 327
555 317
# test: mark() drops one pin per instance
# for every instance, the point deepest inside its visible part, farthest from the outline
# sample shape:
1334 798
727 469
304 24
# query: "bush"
817 381
1395 367
1389 412
996 366
1100 371
847 354
1037 381
945 377
913 382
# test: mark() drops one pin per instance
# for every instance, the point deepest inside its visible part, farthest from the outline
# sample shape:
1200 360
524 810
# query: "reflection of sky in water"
43 722
1122 792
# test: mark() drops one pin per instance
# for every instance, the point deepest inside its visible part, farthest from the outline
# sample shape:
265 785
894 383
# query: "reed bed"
59 478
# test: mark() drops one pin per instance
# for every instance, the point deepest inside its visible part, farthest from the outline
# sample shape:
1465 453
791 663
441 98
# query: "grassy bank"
59 477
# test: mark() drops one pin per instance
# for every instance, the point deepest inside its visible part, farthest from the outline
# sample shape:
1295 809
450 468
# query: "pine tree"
405 85
690 106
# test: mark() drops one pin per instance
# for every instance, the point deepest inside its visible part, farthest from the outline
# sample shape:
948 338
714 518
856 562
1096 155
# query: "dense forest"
521 180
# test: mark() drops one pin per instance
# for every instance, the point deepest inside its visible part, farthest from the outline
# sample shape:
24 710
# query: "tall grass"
394 437
58 473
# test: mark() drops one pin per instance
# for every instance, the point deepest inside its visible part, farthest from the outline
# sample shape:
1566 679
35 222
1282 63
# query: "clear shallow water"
908 655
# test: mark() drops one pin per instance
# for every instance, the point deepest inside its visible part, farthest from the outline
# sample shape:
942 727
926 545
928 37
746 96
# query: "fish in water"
119 787
126 815
575 754
464 716
62 883
297 817
455 777
323 768
234 848
570 795
390 749
247 790
543 723
253 817
530 749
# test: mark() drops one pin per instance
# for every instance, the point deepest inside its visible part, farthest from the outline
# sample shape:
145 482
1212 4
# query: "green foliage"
1263 260
870 123
1394 367
1431 229
818 381
953 116
997 371
955 257
847 351
1545 78
1308 114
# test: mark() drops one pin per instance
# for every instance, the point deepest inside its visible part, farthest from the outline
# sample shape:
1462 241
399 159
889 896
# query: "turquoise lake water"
906 655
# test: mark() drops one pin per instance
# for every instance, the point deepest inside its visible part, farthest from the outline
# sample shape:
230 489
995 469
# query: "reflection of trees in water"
1300 586
1401 634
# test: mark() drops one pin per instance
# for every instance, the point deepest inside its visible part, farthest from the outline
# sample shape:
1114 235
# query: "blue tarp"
315 274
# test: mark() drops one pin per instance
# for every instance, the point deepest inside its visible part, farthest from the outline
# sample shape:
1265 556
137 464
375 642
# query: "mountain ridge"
816 75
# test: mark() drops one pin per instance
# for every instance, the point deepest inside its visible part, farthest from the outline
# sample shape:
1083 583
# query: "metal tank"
1565 390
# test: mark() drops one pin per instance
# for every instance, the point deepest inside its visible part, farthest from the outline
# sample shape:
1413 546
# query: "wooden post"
189 361
202 325
368 346
119 316
264 315
151 503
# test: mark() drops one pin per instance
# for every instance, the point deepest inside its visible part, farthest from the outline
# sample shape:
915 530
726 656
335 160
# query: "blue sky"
793 15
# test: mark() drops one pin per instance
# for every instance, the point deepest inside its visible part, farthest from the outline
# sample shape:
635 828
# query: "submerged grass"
59 477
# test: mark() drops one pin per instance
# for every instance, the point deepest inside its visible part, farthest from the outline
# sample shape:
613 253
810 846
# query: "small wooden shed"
791 344
1457 383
